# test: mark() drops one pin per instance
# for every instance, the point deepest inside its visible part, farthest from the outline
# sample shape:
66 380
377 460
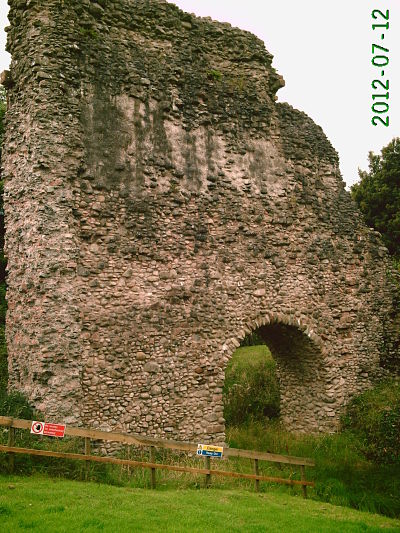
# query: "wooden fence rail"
152 444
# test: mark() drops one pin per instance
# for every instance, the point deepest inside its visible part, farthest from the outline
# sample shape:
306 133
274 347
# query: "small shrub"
16 405
89 32
214 75
375 417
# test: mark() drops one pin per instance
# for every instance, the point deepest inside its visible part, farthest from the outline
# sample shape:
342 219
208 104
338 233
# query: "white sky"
323 50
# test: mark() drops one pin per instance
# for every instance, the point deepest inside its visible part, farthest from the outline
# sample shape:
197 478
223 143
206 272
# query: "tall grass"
251 388
375 417
343 474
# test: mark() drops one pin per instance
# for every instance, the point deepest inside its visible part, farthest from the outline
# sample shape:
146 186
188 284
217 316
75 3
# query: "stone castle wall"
160 205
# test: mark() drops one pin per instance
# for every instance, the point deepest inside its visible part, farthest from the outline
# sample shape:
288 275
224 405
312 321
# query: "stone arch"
300 358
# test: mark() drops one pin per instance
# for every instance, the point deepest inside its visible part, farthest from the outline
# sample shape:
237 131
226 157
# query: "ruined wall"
160 205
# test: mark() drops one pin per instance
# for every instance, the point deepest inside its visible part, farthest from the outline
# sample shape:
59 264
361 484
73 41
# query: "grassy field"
344 474
50 505
247 356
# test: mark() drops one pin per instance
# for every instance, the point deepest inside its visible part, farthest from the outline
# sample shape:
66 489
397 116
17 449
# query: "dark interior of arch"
301 375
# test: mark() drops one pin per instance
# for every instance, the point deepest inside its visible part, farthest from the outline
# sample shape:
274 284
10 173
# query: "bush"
16 405
251 389
375 417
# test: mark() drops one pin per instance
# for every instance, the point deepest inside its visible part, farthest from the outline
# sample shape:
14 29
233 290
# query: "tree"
377 194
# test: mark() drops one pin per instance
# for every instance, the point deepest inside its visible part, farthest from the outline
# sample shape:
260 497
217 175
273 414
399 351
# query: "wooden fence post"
303 478
152 470
207 464
257 473
11 442
87 452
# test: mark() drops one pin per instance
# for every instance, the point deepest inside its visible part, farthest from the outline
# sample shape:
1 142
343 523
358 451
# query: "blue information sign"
207 450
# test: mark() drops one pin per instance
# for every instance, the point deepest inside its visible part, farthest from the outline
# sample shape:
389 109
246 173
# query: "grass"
251 389
49 505
344 474
249 356
375 417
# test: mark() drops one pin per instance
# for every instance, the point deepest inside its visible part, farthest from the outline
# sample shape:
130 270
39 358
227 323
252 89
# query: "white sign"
37 428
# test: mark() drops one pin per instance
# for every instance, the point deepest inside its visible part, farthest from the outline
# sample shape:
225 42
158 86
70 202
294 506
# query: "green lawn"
51 505
250 355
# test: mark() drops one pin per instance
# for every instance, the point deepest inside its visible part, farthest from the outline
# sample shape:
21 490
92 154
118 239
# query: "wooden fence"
151 443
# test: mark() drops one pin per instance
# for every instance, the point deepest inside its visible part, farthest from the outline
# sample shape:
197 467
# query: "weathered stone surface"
160 205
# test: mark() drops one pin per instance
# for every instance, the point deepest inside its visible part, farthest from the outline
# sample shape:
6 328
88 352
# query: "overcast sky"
323 49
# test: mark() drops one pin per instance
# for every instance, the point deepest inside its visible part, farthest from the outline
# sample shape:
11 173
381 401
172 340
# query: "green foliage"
236 84
16 405
343 474
378 194
358 467
3 303
251 389
89 33
253 339
214 75
375 417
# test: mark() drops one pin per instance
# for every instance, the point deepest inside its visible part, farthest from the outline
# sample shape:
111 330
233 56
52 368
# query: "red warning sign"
48 429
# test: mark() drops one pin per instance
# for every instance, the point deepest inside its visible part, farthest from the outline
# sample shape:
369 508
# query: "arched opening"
290 361
251 388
